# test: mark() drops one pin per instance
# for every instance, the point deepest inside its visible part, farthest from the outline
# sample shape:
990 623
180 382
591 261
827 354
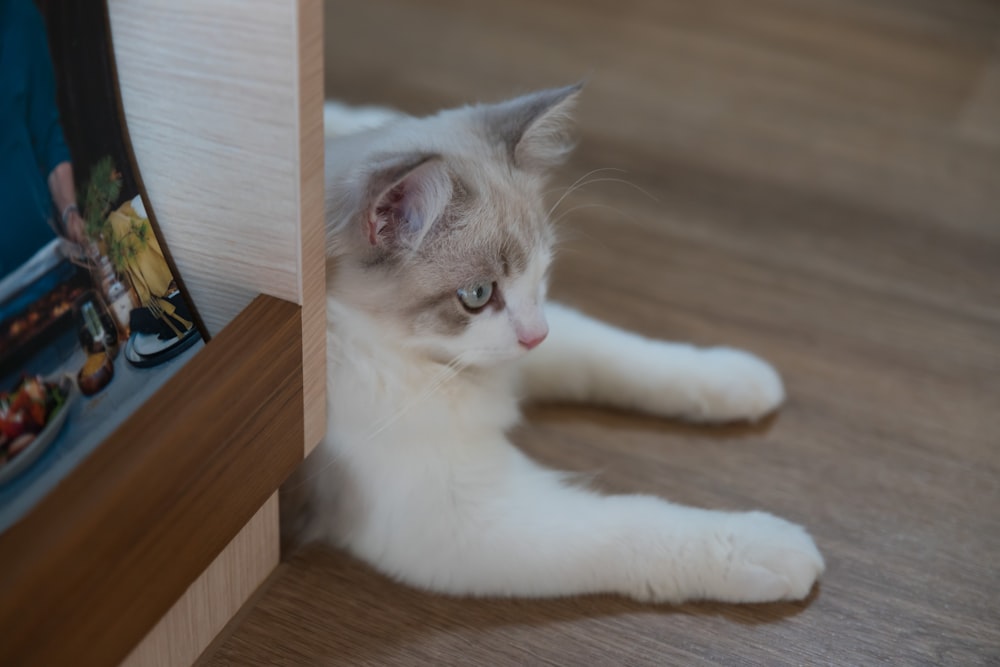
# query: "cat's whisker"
571 190
579 183
624 214
447 372
574 183
608 179
592 172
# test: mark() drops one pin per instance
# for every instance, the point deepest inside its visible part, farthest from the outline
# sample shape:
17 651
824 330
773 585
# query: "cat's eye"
475 297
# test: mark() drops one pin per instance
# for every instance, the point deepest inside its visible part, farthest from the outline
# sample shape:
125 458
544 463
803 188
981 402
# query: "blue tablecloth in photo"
91 420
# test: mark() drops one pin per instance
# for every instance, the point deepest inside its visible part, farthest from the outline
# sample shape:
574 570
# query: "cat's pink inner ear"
374 227
409 206
384 212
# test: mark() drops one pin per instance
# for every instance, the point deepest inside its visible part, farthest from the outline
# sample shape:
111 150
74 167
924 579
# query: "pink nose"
533 342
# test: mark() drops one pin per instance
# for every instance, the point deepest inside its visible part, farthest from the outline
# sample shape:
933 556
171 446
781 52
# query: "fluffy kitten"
439 247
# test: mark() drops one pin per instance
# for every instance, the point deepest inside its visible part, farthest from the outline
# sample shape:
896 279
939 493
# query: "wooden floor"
823 182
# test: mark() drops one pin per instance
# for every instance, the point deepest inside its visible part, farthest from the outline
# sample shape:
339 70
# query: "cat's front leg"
587 360
522 531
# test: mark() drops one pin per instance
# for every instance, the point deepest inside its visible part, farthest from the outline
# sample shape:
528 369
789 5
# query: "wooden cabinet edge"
312 269
215 597
100 560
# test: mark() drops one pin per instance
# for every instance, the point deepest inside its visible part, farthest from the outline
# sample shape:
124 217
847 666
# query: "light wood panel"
223 102
312 262
209 91
826 189
215 597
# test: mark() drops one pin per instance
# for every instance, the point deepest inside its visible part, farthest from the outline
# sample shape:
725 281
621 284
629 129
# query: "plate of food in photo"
31 417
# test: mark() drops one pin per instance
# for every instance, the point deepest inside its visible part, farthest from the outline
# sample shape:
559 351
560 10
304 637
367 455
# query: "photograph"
93 318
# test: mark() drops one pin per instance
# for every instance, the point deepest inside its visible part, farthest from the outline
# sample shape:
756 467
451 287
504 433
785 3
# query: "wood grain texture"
215 597
312 262
216 144
224 107
826 189
96 564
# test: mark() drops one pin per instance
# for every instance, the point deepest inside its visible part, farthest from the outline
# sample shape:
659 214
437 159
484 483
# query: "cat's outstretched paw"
765 559
735 386
733 557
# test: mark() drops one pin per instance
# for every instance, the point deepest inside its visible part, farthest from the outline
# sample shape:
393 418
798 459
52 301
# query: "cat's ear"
534 128
406 194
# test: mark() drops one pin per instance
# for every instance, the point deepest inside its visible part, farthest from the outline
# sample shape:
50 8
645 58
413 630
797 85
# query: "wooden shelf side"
97 563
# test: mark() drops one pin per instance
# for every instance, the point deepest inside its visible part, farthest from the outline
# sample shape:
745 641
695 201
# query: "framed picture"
94 317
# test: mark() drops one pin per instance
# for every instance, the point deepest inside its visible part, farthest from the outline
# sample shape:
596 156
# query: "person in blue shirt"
37 193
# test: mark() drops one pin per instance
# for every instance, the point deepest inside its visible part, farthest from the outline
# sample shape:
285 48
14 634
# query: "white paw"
735 385
762 559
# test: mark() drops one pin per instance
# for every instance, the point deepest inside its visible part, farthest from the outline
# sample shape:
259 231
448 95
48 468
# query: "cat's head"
438 229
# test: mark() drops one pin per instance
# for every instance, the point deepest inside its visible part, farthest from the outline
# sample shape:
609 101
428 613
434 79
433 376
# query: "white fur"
340 119
625 370
441 500
417 477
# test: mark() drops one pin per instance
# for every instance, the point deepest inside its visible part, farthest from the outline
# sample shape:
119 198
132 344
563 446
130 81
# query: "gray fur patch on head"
533 128
439 313
493 241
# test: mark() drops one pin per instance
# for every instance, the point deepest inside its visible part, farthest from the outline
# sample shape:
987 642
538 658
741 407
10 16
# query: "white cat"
438 247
